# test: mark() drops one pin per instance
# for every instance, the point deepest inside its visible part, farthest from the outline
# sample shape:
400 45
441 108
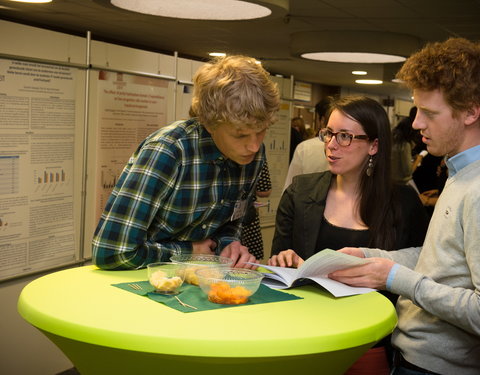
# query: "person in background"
311 133
354 203
309 156
185 189
429 197
438 330
403 137
251 236
297 134
429 173
298 123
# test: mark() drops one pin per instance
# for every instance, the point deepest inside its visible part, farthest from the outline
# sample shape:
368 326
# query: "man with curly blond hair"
438 329
186 187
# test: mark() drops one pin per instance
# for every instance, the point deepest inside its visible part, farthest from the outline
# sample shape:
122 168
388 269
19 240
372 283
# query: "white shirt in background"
309 157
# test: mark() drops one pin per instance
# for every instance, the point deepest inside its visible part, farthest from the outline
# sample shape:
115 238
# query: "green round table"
105 330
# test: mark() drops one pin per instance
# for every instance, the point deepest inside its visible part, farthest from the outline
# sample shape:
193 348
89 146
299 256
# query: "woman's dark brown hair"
376 203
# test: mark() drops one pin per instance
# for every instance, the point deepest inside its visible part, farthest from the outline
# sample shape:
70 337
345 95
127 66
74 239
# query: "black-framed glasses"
343 138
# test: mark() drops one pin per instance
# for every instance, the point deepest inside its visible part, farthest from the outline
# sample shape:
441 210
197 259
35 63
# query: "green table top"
81 304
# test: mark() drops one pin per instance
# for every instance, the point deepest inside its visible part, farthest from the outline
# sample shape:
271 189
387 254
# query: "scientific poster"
37 131
277 146
130 108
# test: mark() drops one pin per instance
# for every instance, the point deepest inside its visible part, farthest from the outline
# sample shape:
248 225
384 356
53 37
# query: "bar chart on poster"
109 174
49 177
109 177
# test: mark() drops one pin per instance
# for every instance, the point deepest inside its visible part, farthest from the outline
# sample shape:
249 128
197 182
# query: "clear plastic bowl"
194 262
228 286
166 278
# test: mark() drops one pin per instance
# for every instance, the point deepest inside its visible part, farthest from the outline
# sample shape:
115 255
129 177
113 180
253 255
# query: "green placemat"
193 296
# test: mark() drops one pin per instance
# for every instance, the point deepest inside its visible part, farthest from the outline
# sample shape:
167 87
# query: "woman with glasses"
354 203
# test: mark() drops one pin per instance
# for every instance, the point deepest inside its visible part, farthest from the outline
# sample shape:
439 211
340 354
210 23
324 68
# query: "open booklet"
316 268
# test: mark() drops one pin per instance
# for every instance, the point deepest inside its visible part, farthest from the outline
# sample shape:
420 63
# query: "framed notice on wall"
38 111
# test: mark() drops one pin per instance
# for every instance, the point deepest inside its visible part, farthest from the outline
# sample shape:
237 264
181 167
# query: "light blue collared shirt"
461 160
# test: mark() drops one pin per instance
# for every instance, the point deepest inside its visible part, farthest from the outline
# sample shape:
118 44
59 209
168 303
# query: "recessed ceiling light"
353 57
197 9
359 72
217 54
369 81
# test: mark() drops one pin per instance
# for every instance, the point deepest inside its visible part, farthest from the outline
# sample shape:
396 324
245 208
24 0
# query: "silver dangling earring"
370 166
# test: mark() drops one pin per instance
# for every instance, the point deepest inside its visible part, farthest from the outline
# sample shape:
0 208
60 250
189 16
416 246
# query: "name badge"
239 209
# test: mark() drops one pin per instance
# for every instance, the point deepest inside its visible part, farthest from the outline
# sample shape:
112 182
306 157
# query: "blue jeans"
405 371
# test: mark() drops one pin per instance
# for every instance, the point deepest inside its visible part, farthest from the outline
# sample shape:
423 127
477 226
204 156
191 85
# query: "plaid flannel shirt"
177 188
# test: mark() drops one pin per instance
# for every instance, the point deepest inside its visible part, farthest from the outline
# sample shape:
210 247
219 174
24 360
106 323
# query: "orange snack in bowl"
222 293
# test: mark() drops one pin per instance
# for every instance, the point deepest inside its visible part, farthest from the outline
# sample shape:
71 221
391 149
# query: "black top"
332 237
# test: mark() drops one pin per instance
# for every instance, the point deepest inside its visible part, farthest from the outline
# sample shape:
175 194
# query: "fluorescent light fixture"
217 54
353 57
359 72
219 10
33 1
369 81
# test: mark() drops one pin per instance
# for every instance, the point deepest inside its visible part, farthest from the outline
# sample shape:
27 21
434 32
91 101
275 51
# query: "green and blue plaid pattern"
177 188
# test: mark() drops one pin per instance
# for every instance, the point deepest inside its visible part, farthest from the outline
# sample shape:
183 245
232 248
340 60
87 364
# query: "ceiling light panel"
353 46
353 57
218 10
33 1
369 81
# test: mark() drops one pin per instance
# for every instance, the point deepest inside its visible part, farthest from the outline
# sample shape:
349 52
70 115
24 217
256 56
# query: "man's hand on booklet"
286 258
373 274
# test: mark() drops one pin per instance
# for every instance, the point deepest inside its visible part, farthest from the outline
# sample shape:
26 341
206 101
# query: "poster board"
124 110
277 147
41 127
